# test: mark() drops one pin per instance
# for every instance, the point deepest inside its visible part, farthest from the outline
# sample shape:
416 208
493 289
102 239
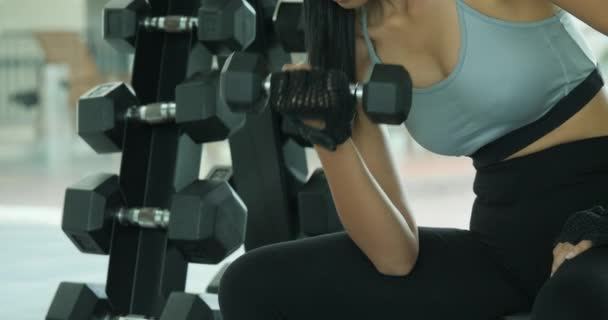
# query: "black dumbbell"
227 25
288 21
104 111
206 220
386 97
316 208
79 301
186 306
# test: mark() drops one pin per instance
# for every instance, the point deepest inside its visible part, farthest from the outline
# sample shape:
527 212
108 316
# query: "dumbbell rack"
147 272
157 161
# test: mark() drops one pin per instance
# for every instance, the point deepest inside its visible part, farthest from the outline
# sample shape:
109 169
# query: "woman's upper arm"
591 12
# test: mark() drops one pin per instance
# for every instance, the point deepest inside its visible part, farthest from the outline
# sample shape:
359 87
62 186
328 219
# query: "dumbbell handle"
173 24
356 89
151 218
155 113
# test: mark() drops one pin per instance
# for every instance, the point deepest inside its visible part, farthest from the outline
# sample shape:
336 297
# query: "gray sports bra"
508 76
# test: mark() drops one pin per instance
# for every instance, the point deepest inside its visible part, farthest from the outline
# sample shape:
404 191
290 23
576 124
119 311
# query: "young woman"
509 83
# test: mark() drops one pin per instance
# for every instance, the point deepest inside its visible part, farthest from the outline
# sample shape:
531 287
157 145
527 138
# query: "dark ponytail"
330 36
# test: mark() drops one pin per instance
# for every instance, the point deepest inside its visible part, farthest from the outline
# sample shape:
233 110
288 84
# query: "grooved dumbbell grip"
356 89
154 113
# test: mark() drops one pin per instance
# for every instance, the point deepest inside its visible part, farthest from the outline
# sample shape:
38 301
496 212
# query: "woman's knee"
239 273
246 288
247 277
577 292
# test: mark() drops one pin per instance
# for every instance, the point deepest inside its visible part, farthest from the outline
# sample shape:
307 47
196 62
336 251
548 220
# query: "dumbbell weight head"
200 60
185 306
201 114
78 301
226 25
101 113
387 96
242 82
208 221
88 212
121 21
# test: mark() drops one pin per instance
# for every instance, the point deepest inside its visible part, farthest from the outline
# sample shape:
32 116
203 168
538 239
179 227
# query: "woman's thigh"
329 277
578 290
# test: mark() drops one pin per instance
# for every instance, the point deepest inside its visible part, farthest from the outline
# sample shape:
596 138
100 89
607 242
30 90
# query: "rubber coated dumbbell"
206 220
104 111
227 25
386 97
79 301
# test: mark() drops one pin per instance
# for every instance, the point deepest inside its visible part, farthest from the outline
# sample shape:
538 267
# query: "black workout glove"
315 95
591 224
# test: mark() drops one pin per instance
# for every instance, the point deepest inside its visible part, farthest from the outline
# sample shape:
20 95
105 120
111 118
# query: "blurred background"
51 52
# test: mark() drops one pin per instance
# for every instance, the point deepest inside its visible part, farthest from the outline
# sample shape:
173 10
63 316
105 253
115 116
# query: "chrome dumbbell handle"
172 24
154 113
151 218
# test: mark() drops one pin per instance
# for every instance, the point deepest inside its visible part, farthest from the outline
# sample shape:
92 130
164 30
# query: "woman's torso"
428 43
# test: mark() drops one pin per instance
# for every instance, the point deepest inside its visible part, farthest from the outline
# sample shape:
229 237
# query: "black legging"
501 266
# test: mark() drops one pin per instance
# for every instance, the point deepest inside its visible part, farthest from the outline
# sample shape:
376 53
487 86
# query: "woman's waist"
564 165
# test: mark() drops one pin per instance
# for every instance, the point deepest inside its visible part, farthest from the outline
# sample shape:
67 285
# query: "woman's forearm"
368 215
372 142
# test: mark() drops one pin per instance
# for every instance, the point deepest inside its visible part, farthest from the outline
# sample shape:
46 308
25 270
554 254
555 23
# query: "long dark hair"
330 36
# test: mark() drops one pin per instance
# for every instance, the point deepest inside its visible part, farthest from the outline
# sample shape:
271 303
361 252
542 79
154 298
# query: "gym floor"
37 256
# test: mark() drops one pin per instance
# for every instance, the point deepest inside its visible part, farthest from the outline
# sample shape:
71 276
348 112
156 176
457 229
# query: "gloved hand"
591 224
315 96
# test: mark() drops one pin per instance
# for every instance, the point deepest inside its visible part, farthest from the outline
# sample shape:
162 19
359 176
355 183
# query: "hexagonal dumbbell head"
241 82
77 301
185 306
226 25
88 212
318 214
207 221
121 21
199 60
101 116
387 97
200 113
